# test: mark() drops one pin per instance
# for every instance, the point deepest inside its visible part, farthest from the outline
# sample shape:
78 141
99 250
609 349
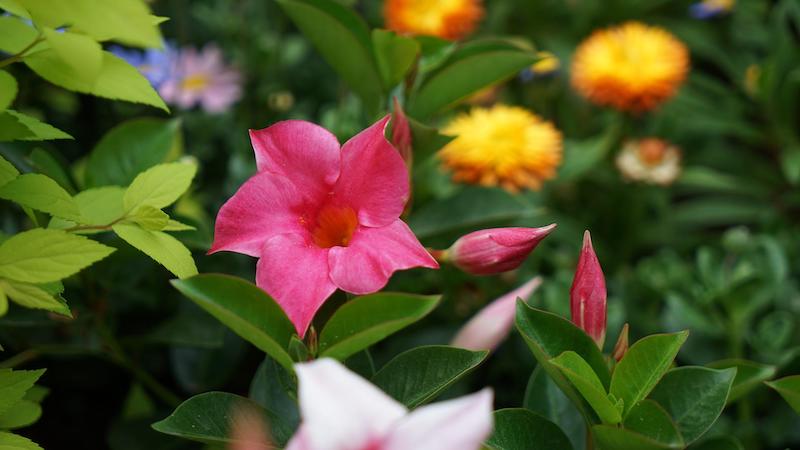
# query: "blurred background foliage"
716 252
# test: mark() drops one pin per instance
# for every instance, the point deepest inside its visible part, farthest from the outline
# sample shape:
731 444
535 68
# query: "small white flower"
650 160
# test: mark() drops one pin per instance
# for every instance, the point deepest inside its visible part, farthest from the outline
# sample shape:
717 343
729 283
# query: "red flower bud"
588 294
487 252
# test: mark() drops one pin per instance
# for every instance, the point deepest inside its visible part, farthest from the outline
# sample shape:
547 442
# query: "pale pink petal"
169 90
341 410
303 152
210 58
265 205
294 272
374 178
300 440
490 326
374 254
218 98
460 424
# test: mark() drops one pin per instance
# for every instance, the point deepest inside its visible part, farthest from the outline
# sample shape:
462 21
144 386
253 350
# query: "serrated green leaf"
15 126
418 375
174 225
80 54
149 218
14 384
43 256
644 364
159 186
245 309
15 34
7 171
131 148
10 441
31 296
789 388
521 429
368 319
97 206
8 89
163 248
581 375
749 375
394 55
117 79
39 192
24 413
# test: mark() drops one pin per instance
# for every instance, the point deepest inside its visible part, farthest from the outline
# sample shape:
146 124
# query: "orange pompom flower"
632 67
447 19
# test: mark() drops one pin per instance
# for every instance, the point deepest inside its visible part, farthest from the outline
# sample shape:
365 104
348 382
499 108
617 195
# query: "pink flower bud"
490 326
487 252
588 294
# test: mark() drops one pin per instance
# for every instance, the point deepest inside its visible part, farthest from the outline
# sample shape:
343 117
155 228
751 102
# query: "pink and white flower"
320 216
342 411
202 78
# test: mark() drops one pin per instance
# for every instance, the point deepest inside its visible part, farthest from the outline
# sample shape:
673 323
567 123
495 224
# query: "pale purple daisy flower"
202 78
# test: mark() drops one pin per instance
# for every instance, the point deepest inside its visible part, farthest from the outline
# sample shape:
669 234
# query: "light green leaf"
368 319
521 429
15 34
418 375
7 171
749 375
10 441
149 218
581 375
643 366
97 206
159 186
31 296
8 89
694 397
41 193
174 225
14 384
15 126
24 413
3 303
789 388
117 79
81 54
343 39
245 309
131 148
163 248
394 54
43 256
13 7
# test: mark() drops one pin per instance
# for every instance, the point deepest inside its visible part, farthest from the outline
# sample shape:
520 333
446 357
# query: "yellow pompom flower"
503 146
632 67
447 19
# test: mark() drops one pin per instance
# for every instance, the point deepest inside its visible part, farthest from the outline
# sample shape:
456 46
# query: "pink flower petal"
374 178
300 440
341 410
294 272
374 254
264 206
303 152
460 424
490 326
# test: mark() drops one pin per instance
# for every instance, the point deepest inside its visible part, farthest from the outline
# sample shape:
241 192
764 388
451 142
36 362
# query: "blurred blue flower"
708 9
157 65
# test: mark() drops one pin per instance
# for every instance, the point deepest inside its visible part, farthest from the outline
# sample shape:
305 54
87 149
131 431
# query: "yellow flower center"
195 82
448 19
334 226
502 146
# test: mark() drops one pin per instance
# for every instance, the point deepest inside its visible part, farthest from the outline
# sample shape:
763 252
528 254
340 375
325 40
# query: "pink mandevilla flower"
202 78
491 325
588 294
495 250
319 217
342 411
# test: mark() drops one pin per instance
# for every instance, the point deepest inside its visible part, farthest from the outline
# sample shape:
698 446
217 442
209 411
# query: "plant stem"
19 56
94 227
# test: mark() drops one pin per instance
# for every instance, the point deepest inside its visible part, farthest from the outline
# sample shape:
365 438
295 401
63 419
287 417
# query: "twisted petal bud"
496 250
588 294
621 347
487 329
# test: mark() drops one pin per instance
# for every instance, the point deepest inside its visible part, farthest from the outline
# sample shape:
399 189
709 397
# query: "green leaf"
548 336
245 309
8 89
343 39
749 375
131 148
98 207
117 79
521 429
790 163
149 218
649 419
366 320
7 171
81 55
15 34
643 366
472 67
14 384
610 437
10 441
159 186
40 192
43 256
418 375
24 413
31 296
207 417
15 126
174 225
544 397
719 443
694 397
54 167
163 248
581 375
789 388
394 54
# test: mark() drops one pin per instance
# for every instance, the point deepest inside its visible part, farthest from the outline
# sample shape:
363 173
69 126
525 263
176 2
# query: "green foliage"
789 388
165 249
8 89
749 375
581 375
520 429
15 126
41 193
394 54
159 186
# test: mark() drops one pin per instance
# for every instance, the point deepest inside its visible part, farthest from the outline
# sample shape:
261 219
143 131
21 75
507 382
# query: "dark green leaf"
749 375
609 437
789 388
394 54
649 419
521 429
14 384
